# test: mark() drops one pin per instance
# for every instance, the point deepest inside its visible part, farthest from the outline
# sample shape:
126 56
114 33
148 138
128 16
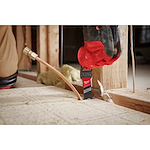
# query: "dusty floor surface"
31 103
54 106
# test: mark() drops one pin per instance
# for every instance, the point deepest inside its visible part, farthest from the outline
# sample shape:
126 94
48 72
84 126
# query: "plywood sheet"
52 105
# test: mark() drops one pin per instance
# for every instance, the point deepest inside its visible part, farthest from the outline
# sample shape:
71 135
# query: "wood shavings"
105 96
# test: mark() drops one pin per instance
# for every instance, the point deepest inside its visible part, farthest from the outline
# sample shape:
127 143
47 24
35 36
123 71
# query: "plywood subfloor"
54 106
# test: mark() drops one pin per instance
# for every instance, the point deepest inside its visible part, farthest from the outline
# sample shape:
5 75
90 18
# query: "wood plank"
42 47
28 75
140 100
48 46
114 76
38 48
53 45
29 44
28 36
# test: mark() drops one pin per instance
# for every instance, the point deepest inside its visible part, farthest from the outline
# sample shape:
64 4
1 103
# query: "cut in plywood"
115 75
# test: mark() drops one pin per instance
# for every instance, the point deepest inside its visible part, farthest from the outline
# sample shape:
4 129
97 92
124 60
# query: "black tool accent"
86 80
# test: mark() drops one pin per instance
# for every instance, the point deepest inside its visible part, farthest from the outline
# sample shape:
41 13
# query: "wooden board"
114 76
28 36
42 47
140 100
53 45
28 75
48 46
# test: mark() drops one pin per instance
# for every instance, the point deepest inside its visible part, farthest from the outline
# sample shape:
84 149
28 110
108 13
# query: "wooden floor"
36 104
